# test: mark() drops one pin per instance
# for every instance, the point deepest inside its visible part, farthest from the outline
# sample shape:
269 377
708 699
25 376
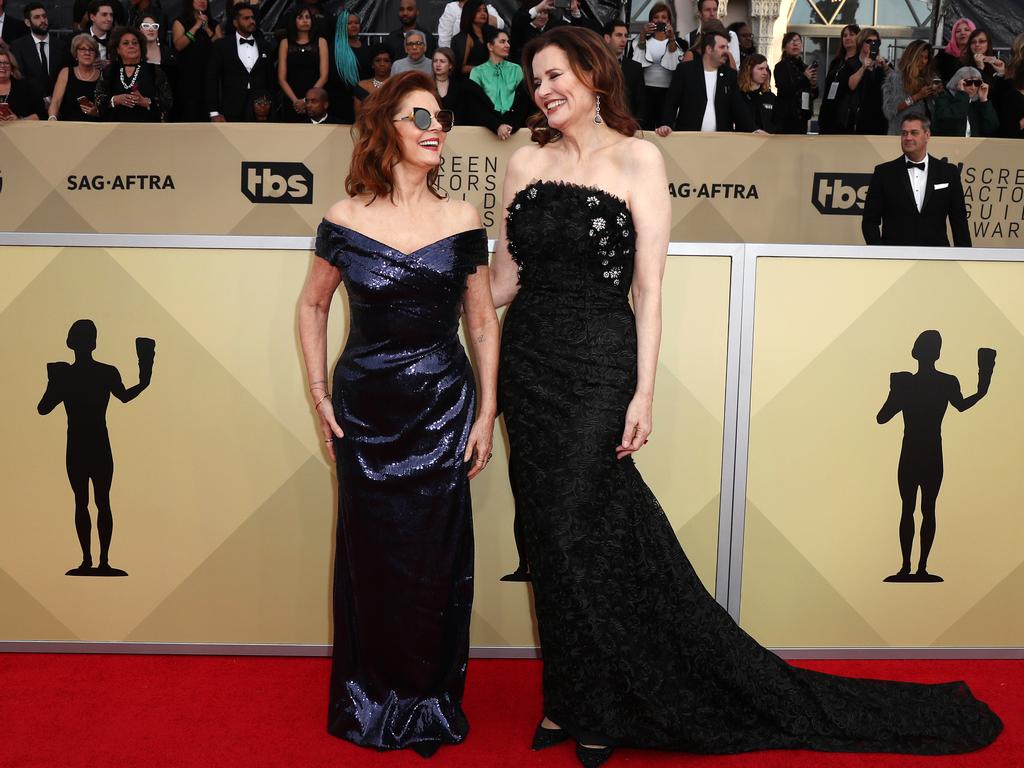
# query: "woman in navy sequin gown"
636 652
405 424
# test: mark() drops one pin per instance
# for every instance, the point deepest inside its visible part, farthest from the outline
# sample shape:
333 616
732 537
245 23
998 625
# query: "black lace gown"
404 394
636 652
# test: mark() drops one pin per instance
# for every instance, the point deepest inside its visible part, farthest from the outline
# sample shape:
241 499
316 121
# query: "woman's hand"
478 448
143 101
328 424
299 105
504 131
982 92
649 29
638 426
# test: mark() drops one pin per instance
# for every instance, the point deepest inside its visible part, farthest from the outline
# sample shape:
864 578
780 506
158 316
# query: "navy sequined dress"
404 395
636 652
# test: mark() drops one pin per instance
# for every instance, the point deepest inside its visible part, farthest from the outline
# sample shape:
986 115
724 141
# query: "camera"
874 46
562 5
661 26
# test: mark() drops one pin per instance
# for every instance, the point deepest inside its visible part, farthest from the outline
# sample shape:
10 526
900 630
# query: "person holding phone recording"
74 93
797 84
19 99
979 54
658 51
910 87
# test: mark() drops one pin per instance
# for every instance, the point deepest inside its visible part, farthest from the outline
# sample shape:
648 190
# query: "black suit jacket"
14 27
229 87
26 51
890 206
633 72
687 98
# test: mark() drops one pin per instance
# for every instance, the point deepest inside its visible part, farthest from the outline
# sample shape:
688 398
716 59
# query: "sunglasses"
149 25
422 118
973 82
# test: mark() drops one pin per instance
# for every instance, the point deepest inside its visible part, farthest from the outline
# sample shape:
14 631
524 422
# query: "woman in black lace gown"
404 424
636 652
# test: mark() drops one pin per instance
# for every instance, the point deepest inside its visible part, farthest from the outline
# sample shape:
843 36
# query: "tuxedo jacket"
229 87
633 72
26 51
890 212
14 27
687 98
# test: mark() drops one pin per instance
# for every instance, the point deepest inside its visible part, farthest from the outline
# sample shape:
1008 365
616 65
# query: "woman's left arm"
483 331
652 216
321 81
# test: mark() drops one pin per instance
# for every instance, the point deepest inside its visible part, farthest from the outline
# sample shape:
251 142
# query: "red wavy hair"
377 151
593 63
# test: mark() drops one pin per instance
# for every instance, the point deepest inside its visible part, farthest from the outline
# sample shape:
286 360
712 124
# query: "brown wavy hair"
376 150
591 60
746 76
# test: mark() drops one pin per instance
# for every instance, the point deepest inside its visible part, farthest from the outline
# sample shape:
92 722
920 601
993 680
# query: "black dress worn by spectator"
477 50
795 90
303 71
25 99
687 99
192 62
229 85
70 111
891 216
148 79
857 110
1011 113
26 51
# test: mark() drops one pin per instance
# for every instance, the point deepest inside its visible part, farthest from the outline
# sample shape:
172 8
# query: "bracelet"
325 396
909 101
190 36
52 117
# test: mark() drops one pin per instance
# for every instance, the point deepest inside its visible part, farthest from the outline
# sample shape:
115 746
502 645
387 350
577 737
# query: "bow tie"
912 164
247 41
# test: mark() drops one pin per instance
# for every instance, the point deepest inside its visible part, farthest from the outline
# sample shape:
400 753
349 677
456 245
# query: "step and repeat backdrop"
278 180
221 494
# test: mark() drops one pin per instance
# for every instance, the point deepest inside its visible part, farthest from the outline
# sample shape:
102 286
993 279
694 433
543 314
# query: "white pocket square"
942 186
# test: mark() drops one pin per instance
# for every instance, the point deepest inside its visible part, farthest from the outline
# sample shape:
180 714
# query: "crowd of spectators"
133 63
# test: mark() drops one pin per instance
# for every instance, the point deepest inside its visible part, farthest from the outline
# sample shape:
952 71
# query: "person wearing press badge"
909 199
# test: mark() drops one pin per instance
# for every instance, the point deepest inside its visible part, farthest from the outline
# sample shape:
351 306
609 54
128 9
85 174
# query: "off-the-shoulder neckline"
573 186
452 236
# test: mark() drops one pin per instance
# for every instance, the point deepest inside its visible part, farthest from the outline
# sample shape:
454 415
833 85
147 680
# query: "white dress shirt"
918 180
710 121
3 18
248 54
102 45
448 24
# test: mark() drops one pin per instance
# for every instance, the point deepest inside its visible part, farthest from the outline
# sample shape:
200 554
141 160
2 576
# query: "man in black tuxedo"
10 28
704 94
240 64
40 55
616 34
911 198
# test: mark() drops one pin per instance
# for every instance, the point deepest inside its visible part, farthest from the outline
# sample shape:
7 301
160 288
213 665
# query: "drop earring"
597 111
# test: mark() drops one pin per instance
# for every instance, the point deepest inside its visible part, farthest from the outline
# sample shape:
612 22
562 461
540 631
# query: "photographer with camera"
853 94
658 51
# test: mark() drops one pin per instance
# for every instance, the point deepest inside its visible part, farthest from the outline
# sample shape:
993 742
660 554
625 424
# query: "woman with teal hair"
347 67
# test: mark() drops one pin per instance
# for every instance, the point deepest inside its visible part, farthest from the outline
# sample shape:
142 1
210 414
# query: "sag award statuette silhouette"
85 387
923 397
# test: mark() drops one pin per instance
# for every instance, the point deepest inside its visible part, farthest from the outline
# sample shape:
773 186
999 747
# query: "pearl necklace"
128 86
377 83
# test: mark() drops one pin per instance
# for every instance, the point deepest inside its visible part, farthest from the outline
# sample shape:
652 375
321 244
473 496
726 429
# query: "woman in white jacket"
658 51
448 25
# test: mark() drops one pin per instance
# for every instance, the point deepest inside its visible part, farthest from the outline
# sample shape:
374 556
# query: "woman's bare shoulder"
344 211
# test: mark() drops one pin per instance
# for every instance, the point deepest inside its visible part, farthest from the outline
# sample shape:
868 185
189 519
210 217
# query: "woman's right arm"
58 93
504 272
314 305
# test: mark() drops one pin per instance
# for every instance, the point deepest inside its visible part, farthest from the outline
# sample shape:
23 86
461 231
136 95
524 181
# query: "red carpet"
66 711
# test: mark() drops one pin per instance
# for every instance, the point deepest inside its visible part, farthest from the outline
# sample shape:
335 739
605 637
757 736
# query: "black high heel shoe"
592 757
547 737
426 749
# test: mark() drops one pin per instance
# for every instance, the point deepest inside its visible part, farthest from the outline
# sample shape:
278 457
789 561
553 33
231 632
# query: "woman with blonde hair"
19 100
911 86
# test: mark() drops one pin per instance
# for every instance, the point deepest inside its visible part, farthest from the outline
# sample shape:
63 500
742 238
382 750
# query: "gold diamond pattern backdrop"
223 499
823 506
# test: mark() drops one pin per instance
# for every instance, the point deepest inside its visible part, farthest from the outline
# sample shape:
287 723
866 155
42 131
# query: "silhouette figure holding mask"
923 397
85 387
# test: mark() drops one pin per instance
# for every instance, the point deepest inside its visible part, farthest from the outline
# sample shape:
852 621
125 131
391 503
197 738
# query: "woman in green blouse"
502 81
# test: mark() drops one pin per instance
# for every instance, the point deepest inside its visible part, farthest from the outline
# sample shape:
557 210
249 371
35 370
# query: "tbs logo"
277 183
840 194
